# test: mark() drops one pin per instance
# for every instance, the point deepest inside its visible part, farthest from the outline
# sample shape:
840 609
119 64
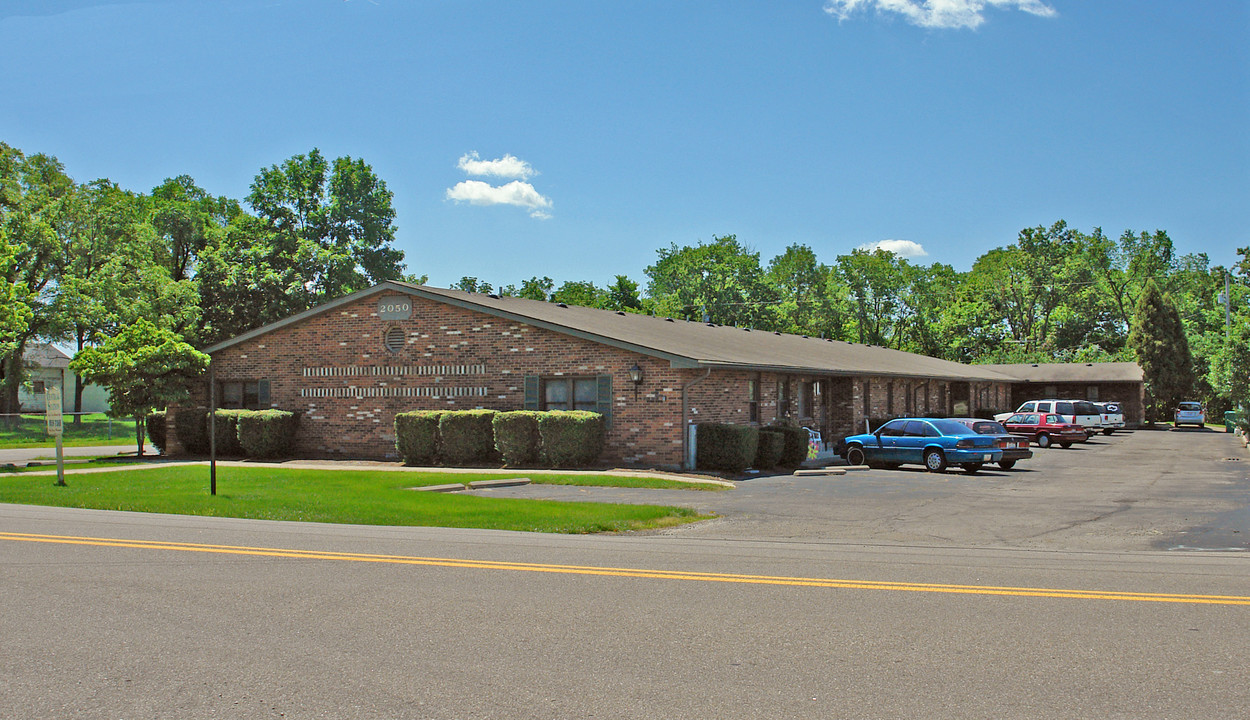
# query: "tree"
470 284
15 314
332 227
184 215
1158 339
721 282
536 288
581 293
622 294
810 294
144 368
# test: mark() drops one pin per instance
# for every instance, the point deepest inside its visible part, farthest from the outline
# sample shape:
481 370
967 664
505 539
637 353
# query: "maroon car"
1045 430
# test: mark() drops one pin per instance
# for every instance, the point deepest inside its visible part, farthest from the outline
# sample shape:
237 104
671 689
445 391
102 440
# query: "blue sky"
575 139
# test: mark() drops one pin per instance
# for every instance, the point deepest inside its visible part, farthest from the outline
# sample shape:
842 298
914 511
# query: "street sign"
52 410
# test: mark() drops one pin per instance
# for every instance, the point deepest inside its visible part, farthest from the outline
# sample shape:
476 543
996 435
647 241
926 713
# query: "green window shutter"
604 401
531 392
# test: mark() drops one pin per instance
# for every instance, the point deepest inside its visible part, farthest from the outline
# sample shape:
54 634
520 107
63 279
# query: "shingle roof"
683 343
44 355
1071 372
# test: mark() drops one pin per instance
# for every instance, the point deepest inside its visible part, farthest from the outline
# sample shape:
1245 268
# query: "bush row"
735 448
248 433
482 437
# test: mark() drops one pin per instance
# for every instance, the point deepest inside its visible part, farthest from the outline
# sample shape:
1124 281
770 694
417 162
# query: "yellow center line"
632 572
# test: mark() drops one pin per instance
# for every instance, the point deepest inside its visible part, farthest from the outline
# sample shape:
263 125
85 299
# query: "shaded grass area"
332 496
31 431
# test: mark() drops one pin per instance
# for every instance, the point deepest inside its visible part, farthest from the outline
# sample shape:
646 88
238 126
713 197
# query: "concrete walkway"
23 455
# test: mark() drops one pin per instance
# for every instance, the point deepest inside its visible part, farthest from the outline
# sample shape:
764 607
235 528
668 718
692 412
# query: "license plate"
986 458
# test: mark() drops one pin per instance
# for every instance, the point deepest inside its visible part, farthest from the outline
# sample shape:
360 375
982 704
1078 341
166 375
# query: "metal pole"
212 429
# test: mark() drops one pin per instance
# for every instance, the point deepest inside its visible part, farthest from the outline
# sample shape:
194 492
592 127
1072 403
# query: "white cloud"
517 193
901 248
938 13
507 166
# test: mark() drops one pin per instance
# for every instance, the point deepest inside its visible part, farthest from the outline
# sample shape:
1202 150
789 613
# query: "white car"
1190 413
1112 417
1074 412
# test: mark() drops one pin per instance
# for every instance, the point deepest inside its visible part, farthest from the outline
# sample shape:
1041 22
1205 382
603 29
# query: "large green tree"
1162 349
333 225
721 282
144 368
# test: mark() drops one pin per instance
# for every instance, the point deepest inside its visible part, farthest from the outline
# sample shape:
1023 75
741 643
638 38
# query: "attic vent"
394 339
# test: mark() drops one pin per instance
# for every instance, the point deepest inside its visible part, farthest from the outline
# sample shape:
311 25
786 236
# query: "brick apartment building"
1122 382
350 365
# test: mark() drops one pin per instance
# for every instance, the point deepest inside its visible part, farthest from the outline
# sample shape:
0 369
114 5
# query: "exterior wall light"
635 376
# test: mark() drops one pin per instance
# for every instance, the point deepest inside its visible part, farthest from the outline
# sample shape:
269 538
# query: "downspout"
685 413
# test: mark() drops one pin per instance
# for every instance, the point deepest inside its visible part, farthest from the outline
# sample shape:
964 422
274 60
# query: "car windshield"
989 428
1190 406
950 427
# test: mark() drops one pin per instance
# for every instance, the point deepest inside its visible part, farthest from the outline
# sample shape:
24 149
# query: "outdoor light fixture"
635 375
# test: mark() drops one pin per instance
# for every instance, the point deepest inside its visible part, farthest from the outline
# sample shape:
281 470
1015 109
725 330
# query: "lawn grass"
71 464
31 431
334 496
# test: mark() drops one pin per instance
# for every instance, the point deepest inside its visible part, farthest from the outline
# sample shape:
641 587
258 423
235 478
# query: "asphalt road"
123 615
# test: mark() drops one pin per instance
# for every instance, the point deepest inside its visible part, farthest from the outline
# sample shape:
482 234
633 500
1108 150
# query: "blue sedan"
923 441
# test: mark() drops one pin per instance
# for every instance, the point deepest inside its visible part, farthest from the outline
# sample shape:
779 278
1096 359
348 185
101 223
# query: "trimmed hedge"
467 437
416 436
227 431
516 437
191 424
768 453
726 447
155 425
794 445
572 438
266 433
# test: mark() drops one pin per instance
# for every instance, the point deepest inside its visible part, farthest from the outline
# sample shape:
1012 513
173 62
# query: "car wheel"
1007 464
934 460
1043 440
1107 432
1064 445
973 468
855 456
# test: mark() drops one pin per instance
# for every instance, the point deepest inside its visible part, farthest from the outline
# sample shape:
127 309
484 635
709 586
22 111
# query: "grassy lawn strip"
331 496
71 464
31 431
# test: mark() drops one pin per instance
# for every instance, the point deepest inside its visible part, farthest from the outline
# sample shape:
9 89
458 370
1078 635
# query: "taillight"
965 443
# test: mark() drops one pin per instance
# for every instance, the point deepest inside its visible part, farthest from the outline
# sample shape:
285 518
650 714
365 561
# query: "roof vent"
776 333
1089 364
561 305
1034 364
620 312
493 295
668 319
747 329
805 337
711 324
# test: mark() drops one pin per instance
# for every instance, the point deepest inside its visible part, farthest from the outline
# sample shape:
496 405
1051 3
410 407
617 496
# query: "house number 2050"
394 308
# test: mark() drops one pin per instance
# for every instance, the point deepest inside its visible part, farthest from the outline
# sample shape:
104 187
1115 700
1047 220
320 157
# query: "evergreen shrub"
155 424
416 436
467 437
191 424
516 437
768 453
266 433
572 438
726 447
227 430
794 447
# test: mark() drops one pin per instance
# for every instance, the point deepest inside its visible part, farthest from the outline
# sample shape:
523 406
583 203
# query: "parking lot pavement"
1138 490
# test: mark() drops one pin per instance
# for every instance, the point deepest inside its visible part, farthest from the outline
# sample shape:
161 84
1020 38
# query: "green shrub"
467 437
416 436
516 437
794 446
570 438
191 424
726 447
266 433
771 445
227 432
155 426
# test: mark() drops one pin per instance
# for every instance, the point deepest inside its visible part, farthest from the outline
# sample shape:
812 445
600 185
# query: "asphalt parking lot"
1138 490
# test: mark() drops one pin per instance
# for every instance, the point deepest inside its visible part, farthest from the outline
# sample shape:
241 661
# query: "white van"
1076 412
